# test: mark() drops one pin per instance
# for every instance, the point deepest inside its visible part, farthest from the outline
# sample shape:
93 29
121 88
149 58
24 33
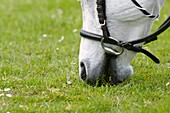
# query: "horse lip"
114 80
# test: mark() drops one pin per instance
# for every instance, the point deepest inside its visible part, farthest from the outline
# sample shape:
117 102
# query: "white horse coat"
125 22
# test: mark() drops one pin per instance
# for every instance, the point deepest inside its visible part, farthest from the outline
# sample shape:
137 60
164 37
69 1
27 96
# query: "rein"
131 45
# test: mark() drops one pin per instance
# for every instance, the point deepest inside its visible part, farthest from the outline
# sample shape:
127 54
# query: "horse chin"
118 72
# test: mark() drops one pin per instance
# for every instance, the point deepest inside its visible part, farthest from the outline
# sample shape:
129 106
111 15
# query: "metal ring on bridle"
103 24
109 50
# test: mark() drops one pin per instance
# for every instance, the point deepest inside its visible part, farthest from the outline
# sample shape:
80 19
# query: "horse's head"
126 23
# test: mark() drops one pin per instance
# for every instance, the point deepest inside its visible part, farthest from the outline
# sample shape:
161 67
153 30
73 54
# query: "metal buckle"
109 50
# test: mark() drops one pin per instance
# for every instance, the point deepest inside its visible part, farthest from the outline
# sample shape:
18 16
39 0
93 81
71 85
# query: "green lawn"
39 44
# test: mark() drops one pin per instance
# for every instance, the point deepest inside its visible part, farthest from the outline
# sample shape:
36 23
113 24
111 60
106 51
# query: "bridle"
131 45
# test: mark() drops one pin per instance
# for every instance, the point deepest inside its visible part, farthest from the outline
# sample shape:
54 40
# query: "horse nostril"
83 71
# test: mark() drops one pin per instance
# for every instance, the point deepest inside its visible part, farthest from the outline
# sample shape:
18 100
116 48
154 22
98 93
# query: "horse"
118 22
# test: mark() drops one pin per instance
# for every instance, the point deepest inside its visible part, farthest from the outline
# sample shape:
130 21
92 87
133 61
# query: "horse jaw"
126 23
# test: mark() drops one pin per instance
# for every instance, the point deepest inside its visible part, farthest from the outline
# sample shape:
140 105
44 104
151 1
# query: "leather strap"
144 11
101 9
153 36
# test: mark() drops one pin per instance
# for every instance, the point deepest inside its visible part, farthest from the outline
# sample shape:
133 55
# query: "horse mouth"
92 78
113 80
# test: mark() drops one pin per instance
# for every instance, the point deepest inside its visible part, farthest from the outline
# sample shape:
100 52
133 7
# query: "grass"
35 61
